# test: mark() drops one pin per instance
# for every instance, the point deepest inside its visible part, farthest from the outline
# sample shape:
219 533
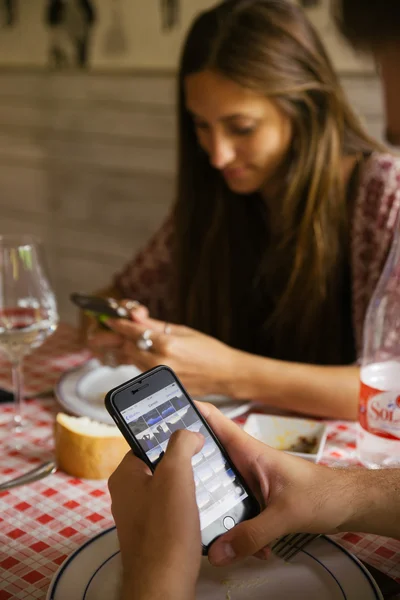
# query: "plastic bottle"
378 438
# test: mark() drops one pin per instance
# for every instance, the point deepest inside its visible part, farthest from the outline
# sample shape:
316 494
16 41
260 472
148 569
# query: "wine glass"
28 309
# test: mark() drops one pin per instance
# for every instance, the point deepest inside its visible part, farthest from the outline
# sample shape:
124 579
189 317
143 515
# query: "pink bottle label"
379 412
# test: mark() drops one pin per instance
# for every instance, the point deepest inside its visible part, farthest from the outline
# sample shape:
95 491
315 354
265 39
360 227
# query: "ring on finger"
167 328
144 341
132 304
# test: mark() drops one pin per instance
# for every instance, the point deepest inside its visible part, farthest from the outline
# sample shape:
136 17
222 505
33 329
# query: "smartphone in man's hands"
147 410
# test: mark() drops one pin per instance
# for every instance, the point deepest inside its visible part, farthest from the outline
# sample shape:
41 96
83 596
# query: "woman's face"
245 135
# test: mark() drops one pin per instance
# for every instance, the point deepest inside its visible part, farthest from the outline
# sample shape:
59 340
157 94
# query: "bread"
87 449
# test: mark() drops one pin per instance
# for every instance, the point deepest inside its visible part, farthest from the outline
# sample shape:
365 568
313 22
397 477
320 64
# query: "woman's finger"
130 354
137 311
164 327
128 329
162 343
138 325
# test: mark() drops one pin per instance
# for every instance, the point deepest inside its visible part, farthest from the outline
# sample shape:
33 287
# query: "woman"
284 216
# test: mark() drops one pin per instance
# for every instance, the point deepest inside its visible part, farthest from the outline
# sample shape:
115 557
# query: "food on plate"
303 444
242 584
86 448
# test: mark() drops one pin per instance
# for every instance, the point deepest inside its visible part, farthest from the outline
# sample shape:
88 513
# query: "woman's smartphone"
147 410
101 308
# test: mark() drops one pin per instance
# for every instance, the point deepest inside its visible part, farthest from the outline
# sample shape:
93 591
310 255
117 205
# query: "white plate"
81 391
282 432
73 383
323 571
94 385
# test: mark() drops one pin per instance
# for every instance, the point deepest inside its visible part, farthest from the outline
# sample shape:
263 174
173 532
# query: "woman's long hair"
281 295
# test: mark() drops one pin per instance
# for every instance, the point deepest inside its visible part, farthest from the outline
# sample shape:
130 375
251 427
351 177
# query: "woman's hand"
204 364
103 343
158 524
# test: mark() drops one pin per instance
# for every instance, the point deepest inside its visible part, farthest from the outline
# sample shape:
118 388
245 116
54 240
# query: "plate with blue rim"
322 571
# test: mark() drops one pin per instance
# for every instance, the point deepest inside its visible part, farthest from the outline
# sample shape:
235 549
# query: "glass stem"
17 380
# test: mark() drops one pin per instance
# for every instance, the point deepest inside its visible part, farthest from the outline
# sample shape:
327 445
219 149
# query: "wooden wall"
87 163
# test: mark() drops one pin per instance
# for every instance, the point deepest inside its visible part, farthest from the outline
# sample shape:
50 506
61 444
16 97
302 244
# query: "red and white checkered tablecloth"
42 523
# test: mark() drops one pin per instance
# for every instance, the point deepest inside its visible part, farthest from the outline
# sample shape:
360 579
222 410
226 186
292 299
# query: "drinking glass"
28 308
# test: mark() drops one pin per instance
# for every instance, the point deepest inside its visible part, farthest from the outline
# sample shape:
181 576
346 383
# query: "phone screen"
154 418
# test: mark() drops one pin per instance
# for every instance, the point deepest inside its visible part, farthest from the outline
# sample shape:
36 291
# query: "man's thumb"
248 537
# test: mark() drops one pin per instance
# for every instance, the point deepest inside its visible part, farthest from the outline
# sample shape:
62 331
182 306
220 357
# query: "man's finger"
176 463
131 469
264 553
174 472
228 432
242 448
183 445
248 538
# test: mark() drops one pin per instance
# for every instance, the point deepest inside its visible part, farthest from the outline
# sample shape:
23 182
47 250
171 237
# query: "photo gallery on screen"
215 480
154 428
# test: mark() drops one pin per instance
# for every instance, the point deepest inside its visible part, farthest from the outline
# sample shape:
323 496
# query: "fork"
288 546
47 468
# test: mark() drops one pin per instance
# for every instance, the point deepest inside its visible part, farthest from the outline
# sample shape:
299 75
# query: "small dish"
283 433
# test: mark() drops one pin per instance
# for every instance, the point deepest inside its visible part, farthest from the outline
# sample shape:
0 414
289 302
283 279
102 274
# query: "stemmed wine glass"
28 308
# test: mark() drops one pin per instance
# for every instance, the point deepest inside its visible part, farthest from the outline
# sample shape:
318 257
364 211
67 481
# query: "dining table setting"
57 534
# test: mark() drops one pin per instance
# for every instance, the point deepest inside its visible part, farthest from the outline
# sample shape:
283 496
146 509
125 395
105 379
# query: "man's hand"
158 524
298 496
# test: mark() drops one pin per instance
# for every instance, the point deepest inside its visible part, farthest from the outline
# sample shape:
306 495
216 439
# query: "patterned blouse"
377 204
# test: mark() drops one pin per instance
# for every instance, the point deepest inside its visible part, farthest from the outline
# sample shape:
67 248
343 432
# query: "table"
42 523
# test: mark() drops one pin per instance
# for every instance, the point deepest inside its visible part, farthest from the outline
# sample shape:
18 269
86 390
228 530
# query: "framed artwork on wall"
94 34
118 35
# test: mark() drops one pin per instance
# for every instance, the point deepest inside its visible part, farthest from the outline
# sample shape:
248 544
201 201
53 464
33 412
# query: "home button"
229 523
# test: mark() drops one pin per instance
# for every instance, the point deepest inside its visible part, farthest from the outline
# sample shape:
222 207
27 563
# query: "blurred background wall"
87 150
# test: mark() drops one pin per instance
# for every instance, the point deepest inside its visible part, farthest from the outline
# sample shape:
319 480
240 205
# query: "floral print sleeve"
147 278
